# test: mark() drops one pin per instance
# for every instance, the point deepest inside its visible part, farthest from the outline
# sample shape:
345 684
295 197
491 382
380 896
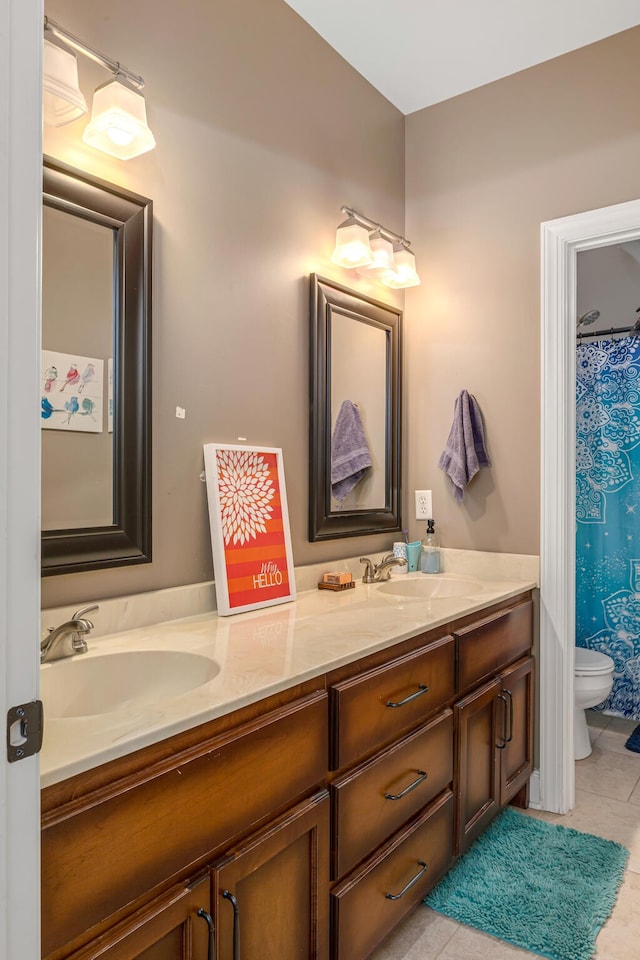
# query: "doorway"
561 240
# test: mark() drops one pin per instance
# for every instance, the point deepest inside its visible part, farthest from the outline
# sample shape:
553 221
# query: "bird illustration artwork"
71 406
88 406
88 375
73 377
46 409
50 377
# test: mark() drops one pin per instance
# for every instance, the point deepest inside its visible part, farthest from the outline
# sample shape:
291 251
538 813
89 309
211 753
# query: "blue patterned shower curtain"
608 512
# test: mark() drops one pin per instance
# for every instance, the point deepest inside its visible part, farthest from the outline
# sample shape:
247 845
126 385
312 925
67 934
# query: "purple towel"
350 455
465 452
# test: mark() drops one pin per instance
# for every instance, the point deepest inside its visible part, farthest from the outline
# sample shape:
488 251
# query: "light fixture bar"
372 225
114 66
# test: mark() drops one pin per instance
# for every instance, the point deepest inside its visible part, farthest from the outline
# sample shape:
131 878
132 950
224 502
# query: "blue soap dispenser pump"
430 558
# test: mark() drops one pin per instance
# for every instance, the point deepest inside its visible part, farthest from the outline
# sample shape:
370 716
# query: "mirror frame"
130 216
326 296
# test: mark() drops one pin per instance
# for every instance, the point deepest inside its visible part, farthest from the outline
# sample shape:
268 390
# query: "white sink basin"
431 587
83 686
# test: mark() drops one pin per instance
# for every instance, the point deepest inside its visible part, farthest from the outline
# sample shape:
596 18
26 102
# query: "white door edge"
561 240
20 202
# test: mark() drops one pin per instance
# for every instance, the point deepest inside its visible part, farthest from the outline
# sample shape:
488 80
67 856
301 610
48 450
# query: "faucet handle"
369 571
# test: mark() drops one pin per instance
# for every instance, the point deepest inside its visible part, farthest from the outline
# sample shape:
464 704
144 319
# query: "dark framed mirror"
355 413
96 373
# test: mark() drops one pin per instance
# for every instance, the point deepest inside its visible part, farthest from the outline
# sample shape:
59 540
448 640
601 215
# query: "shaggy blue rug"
545 888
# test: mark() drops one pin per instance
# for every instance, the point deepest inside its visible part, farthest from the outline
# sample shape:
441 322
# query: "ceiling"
419 52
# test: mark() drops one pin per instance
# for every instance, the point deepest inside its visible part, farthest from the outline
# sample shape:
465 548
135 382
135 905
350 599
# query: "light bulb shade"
62 98
352 245
118 123
381 256
404 272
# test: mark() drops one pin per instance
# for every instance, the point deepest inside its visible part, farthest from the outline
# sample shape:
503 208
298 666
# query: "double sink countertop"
136 687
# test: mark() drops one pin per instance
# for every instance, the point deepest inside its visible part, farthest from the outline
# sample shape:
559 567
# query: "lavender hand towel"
465 451
350 455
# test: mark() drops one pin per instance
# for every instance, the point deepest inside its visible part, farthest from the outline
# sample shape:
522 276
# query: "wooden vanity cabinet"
305 826
117 841
493 722
392 801
175 926
271 892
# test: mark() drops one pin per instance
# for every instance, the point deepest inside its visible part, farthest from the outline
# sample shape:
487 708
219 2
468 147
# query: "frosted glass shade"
352 245
62 99
118 123
404 273
381 256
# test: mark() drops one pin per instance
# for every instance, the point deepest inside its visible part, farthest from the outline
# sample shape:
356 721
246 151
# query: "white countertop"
258 654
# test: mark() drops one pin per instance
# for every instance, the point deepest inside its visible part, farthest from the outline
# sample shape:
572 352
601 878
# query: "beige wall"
483 171
263 132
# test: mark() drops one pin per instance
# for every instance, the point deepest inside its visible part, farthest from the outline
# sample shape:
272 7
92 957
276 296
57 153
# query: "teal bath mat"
545 888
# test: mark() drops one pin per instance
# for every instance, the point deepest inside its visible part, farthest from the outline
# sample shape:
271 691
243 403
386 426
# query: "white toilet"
592 684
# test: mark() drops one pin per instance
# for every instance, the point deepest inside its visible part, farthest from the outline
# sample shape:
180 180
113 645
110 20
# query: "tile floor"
607 804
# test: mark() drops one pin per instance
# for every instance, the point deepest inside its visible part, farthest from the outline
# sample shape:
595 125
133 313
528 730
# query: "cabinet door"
171 927
479 723
272 893
516 759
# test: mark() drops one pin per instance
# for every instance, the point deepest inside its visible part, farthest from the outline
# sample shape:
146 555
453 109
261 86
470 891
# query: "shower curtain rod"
600 334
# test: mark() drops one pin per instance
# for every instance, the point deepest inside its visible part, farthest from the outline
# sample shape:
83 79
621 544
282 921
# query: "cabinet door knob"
422 688
236 923
211 950
412 786
412 882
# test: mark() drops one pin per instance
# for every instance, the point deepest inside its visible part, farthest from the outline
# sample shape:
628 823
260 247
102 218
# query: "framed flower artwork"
250 540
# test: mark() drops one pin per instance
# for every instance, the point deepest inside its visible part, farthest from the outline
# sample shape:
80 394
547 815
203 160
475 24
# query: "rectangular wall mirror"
355 413
96 373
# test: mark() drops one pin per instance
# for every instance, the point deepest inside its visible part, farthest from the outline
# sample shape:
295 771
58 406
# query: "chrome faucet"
69 638
377 572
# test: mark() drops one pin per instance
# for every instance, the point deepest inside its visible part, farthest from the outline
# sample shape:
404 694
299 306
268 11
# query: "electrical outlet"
424 510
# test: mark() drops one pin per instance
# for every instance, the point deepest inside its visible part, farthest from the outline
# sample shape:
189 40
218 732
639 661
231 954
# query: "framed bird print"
250 539
71 392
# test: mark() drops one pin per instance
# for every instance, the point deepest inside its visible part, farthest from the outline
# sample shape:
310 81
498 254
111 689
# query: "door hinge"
25 726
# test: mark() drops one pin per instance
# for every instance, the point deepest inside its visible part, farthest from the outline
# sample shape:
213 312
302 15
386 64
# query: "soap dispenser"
430 559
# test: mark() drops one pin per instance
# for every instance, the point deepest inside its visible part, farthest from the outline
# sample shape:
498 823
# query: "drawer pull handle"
209 922
422 688
236 923
412 786
412 882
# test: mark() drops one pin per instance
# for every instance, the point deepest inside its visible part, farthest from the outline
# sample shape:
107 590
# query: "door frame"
561 241
21 200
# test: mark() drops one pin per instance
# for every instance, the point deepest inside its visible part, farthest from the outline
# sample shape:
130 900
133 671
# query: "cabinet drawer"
362 913
373 801
375 707
103 857
488 645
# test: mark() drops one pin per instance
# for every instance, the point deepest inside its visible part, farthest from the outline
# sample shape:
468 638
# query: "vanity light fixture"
375 251
63 100
118 123
403 273
381 255
352 247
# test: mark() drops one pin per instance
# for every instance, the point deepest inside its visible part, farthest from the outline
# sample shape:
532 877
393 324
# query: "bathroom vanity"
307 822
